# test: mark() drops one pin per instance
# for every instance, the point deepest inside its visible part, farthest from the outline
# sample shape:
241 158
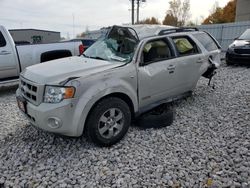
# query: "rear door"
191 62
8 66
211 47
156 72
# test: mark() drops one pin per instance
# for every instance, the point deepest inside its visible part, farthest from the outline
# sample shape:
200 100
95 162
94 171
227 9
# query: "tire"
158 118
229 63
108 121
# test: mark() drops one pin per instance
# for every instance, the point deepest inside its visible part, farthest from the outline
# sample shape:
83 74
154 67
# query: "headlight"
231 46
54 94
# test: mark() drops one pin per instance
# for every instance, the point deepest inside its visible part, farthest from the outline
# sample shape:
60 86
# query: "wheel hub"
111 123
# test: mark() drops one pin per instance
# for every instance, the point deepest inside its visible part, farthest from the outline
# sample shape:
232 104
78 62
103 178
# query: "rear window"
208 43
2 40
87 42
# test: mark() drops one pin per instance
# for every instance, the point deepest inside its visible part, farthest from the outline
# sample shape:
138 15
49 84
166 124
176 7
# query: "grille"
30 91
242 51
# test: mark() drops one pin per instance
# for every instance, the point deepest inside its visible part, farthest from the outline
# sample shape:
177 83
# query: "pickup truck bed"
15 58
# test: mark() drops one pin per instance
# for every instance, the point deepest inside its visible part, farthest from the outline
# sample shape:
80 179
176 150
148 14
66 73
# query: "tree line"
179 14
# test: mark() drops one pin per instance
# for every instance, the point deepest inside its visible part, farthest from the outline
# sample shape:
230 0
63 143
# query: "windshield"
245 35
118 46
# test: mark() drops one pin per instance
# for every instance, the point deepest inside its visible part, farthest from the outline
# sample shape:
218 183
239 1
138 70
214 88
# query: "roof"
145 30
33 30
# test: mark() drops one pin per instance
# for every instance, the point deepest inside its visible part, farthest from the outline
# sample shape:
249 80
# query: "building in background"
243 10
34 36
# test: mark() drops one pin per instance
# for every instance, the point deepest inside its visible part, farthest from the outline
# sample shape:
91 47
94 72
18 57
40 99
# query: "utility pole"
138 2
73 16
133 11
138 11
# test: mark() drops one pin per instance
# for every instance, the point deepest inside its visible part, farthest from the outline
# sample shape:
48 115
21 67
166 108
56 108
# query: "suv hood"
53 72
240 43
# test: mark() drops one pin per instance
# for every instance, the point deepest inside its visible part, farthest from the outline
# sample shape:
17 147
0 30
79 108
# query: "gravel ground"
208 145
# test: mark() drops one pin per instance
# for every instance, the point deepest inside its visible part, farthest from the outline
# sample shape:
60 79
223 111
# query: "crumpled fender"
95 93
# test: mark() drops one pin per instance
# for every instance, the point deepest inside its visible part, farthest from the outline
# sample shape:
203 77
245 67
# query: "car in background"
239 51
86 42
16 56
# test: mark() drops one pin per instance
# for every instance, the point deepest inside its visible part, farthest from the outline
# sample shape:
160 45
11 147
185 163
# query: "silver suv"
125 73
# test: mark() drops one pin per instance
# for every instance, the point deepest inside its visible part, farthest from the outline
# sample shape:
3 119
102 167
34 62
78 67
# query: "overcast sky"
58 15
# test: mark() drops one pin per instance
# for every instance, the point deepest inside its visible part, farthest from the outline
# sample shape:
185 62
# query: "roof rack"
177 30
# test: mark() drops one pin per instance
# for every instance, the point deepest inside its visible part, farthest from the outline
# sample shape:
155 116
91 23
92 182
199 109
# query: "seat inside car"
158 51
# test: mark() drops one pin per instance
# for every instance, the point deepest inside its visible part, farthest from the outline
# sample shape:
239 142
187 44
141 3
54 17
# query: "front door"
8 66
156 72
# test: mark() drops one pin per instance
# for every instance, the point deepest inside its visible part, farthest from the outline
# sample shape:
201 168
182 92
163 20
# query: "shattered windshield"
119 45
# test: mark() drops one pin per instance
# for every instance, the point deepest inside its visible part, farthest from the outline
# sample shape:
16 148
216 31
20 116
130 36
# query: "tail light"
81 49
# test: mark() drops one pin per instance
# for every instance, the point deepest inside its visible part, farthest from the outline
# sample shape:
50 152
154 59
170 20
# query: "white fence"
226 33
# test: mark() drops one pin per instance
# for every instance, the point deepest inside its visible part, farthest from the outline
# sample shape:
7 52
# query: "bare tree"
214 7
185 12
180 10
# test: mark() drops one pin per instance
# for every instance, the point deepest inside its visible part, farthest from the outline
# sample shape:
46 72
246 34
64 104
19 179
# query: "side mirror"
236 38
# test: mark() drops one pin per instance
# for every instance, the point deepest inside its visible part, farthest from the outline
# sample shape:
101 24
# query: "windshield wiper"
85 56
93 57
116 58
96 57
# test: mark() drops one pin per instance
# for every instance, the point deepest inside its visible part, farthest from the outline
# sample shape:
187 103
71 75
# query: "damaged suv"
125 73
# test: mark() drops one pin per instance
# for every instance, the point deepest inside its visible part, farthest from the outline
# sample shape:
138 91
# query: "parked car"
124 74
15 58
86 42
239 51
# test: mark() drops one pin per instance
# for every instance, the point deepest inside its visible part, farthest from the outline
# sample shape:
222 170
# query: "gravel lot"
208 145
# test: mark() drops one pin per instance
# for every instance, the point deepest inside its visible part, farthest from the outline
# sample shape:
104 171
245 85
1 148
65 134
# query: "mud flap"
211 71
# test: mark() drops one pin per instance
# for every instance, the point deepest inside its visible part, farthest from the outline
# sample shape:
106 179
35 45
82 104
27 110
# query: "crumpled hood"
53 72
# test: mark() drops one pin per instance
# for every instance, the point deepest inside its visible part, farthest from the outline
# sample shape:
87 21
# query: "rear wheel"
108 121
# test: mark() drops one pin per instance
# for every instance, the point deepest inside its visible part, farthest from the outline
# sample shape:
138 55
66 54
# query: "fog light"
54 123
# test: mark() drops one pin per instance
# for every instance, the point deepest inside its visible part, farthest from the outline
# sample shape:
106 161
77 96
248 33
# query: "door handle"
171 67
5 53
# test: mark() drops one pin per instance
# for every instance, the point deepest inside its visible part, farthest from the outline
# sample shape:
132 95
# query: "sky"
72 17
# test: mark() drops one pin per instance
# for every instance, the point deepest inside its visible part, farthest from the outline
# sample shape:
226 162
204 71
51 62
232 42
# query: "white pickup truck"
15 58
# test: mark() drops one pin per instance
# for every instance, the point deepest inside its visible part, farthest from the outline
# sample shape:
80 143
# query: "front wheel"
108 121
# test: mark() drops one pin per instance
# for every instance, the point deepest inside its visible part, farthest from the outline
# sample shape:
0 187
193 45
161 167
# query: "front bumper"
234 58
42 116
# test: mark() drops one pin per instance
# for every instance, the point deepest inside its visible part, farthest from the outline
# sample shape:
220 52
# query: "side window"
156 50
208 43
2 40
185 46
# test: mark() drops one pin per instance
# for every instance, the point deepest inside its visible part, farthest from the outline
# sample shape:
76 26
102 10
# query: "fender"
97 92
